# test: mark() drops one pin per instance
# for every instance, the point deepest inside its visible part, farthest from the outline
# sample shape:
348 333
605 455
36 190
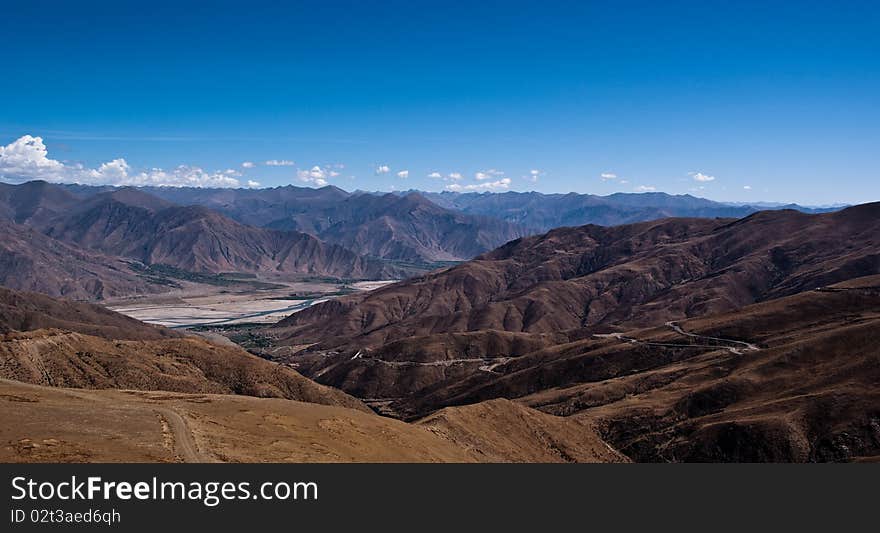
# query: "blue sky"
772 101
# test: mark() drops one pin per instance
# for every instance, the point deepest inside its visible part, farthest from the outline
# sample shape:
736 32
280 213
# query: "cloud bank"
27 158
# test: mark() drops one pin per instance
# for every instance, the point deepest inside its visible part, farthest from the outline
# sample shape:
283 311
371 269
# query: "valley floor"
206 305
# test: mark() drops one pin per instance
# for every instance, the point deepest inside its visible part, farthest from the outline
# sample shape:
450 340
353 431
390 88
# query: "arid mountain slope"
635 275
34 202
791 379
406 228
402 228
64 359
102 349
29 311
44 424
501 431
31 261
134 225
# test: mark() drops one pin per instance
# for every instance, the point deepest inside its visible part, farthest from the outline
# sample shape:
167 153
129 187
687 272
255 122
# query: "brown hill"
591 276
29 311
43 424
792 379
102 349
31 261
64 359
520 322
34 202
501 431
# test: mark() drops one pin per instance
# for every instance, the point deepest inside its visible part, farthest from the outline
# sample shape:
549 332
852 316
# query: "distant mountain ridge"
425 227
99 243
133 224
403 228
529 291
399 228
542 212
284 230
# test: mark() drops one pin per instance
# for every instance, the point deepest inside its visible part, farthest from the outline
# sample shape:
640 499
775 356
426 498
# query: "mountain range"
525 327
405 228
578 320
632 275
543 212
108 388
430 227
103 242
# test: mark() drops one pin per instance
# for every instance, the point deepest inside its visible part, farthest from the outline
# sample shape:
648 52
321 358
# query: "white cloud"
435 175
279 163
488 174
382 169
27 158
317 175
403 174
181 176
699 176
608 176
645 188
253 184
747 187
501 184
454 176
248 164
112 171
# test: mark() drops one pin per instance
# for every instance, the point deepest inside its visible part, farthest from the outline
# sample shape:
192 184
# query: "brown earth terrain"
674 340
78 397
31 261
45 424
65 359
683 340
101 349
792 379
25 311
629 276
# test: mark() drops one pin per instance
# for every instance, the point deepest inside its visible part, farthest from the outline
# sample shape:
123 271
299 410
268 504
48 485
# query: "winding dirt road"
184 444
747 346
738 349
489 363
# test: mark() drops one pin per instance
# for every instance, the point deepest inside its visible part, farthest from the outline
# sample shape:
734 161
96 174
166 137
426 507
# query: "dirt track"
184 444
713 341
